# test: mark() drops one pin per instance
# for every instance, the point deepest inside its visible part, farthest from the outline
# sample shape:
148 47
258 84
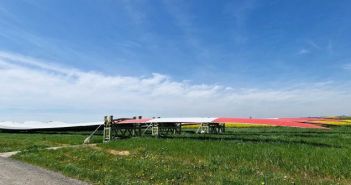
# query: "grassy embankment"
241 156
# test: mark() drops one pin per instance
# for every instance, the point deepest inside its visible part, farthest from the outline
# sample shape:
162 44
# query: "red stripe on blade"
274 122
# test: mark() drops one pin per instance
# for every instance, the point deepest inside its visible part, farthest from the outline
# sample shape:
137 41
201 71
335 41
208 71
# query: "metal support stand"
154 129
161 129
211 128
127 130
114 129
203 129
107 128
87 140
147 128
107 134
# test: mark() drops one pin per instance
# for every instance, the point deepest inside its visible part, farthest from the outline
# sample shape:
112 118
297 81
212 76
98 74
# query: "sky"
80 60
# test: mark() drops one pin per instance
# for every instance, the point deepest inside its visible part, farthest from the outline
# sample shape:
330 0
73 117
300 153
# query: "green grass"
241 156
23 141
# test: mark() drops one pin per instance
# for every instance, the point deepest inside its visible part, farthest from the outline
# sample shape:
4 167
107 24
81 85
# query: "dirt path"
17 173
9 154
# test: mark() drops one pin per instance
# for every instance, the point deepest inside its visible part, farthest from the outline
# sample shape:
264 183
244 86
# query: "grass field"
23 141
268 155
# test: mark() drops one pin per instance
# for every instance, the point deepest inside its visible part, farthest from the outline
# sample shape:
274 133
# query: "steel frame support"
127 130
211 128
170 128
114 130
107 128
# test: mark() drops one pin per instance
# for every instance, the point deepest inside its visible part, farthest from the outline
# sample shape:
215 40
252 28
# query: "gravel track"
17 173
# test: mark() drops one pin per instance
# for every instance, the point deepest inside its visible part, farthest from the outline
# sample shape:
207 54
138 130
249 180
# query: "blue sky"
229 48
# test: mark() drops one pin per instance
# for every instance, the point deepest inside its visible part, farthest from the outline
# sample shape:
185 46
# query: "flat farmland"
266 155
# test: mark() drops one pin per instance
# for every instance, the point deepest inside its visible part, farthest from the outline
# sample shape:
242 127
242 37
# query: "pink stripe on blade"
130 121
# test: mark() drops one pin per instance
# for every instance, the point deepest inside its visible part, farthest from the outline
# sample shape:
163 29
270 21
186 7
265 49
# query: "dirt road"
17 173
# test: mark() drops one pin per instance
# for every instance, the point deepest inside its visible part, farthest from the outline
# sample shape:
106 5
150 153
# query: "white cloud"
35 89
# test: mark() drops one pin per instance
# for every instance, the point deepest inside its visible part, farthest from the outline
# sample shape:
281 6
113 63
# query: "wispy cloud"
314 45
35 89
135 13
303 51
184 22
239 12
347 66
311 46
